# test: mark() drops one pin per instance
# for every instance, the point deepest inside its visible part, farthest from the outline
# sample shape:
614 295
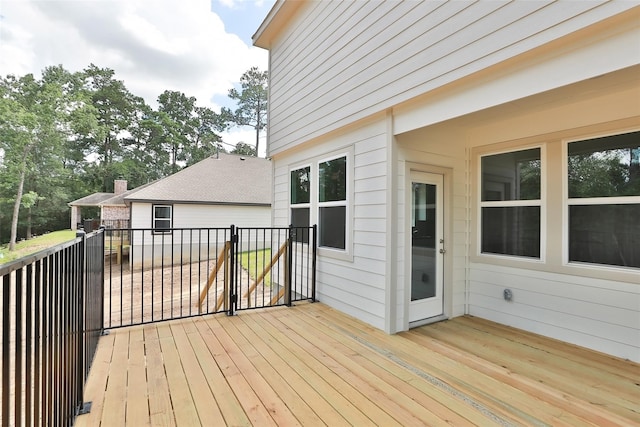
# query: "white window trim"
300 205
153 218
513 203
314 205
346 203
619 200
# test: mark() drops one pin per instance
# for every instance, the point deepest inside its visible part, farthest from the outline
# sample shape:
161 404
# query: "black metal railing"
115 223
157 275
51 305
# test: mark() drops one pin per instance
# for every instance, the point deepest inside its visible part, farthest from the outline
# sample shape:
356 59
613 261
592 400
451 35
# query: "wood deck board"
278 374
97 382
471 389
229 406
443 406
554 370
115 397
311 365
586 411
617 393
160 408
137 409
344 395
247 398
272 402
203 398
376 386
323 373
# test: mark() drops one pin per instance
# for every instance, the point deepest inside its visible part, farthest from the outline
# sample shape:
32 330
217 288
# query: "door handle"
443 250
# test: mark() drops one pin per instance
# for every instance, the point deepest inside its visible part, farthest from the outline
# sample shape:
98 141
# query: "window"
511 203
603 176
319 194
300 202
162 218
332 203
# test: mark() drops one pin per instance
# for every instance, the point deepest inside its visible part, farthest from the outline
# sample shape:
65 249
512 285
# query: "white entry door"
427 246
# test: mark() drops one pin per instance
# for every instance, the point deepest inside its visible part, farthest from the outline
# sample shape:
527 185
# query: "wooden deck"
311 365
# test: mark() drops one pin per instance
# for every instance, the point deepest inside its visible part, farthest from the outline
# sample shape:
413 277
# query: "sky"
198 47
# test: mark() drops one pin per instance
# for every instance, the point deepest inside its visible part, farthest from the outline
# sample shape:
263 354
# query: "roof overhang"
279 15
193 202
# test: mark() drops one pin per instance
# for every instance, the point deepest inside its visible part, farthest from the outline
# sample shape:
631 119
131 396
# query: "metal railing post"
313 263
233 297
289 266
6 364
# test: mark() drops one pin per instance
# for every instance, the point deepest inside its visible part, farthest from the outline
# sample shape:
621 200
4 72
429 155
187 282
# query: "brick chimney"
119 186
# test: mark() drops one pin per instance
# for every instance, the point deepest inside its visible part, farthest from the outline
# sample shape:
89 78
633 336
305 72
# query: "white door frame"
432 309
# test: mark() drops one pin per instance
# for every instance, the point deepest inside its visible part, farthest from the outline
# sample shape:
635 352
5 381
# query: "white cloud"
152 45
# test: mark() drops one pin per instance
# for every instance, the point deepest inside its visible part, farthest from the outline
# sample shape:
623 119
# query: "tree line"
69 134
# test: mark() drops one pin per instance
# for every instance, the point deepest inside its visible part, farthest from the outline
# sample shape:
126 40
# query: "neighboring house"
217 192
464 157
113 211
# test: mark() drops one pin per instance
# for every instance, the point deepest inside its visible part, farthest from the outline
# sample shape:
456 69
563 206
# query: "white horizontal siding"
280 194
205 216
191 216
353 284
338 62
141 215
593 313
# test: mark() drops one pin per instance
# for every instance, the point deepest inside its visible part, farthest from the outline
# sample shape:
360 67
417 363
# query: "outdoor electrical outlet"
508 295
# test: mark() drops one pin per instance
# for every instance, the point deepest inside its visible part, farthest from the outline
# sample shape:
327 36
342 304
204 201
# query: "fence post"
233 297
313 263
82 408
6 354
289 266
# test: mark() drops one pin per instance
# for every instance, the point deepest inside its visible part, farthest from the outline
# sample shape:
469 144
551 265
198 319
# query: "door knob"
442 250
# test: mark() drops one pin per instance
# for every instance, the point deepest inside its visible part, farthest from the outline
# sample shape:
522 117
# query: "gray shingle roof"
118 200
91 200
229 179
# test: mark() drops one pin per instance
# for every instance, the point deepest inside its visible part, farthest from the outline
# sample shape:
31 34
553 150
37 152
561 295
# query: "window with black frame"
300 203
510 203
604 200
162 215
332 203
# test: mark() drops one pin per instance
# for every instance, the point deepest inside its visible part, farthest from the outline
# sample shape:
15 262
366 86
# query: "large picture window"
300 202
511 203
604 200
332 203
162 218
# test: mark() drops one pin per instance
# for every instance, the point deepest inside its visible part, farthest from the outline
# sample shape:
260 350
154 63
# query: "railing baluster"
38 360
28 361
6 353
17 364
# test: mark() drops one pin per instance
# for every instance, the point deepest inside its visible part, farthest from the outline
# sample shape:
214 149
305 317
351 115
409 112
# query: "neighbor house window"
162 218
604 200
332 203
300 202
510 203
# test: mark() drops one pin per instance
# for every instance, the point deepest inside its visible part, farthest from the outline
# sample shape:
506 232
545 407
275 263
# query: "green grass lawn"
37 244
254 262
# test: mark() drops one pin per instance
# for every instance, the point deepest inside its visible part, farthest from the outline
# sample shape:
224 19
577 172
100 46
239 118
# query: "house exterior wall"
352 280
195 216
589 305
110 213
414 89
180 246
355 59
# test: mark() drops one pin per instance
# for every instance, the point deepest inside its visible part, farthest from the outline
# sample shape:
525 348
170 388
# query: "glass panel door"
427 246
